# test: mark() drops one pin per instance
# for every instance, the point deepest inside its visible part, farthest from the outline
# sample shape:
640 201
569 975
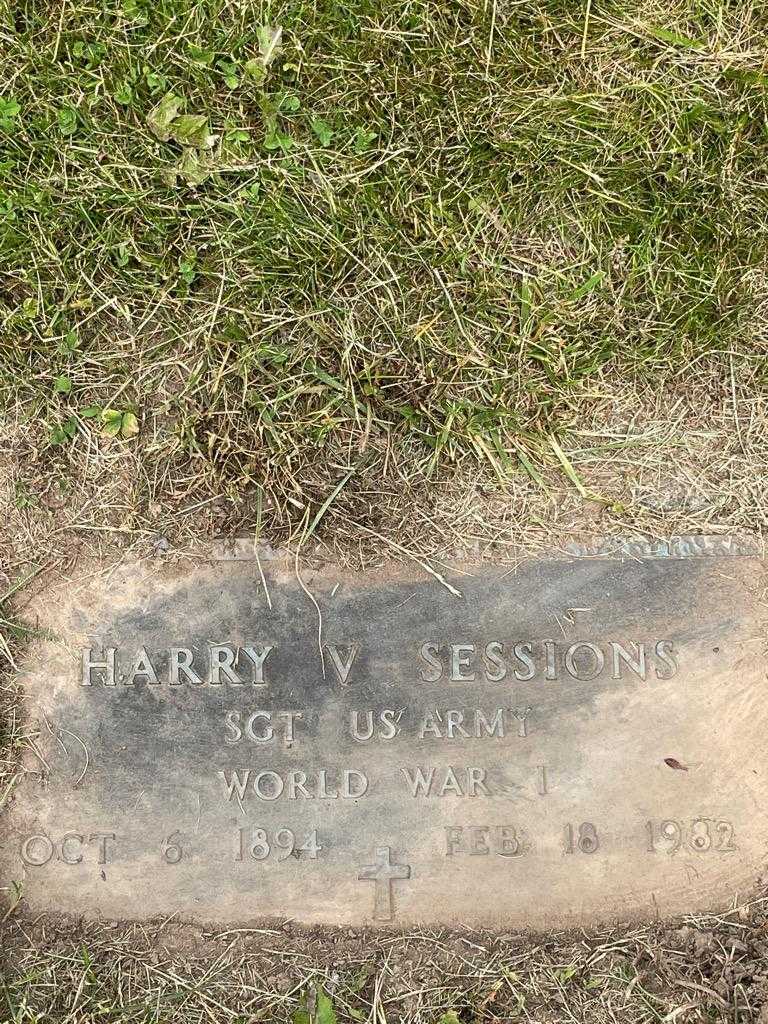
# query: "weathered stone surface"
568 740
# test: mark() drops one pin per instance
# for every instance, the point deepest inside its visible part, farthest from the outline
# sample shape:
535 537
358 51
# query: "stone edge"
250 548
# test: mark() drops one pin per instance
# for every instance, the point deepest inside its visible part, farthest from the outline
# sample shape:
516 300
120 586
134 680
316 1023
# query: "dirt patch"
691 970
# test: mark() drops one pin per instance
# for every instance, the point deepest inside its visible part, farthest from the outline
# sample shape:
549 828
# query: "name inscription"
494 661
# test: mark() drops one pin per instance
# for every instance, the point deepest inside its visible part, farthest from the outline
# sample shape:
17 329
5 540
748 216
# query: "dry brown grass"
705 969
687 453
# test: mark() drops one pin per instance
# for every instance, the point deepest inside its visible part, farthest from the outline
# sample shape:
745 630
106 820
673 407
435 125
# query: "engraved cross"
383 872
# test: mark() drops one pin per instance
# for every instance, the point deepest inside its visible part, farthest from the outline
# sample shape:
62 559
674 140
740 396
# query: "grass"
12 637
422 235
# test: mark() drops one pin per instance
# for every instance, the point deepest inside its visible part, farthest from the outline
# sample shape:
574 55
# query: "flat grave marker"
570 740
